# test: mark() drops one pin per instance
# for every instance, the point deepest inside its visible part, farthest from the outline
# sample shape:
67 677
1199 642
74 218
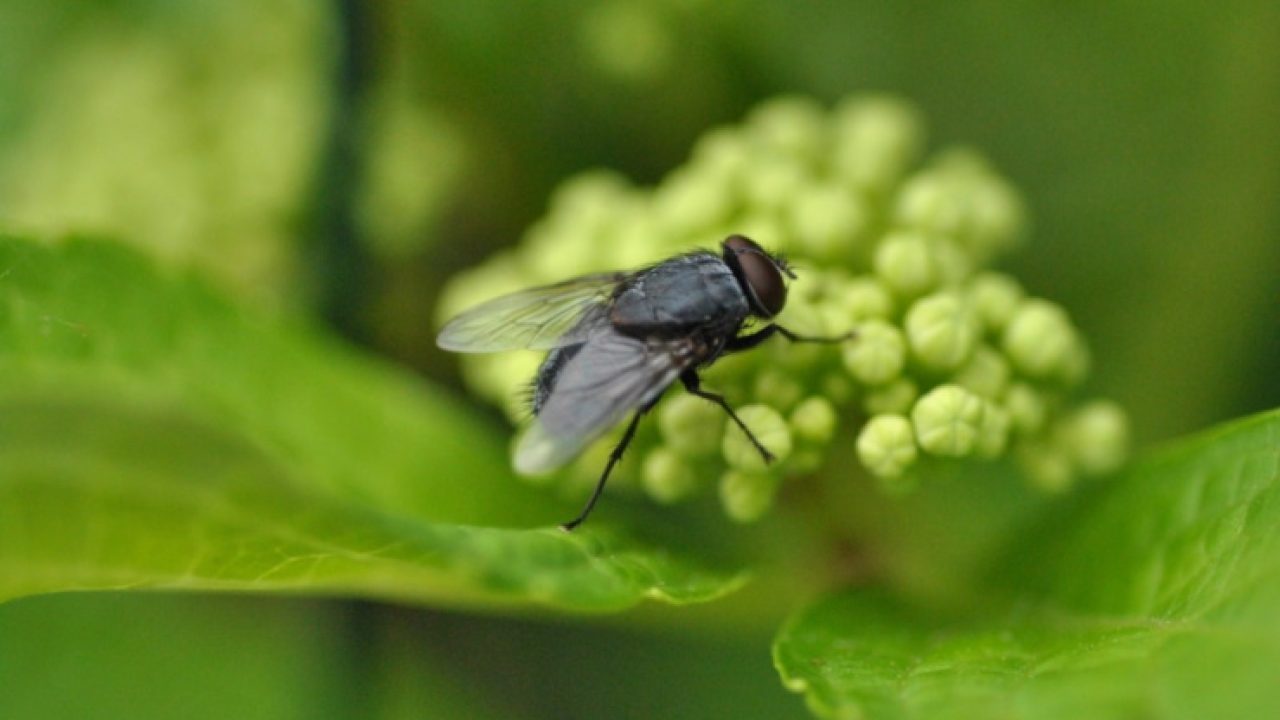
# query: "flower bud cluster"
950 360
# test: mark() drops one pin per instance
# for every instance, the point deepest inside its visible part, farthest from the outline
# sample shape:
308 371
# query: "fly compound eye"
765 283
759 273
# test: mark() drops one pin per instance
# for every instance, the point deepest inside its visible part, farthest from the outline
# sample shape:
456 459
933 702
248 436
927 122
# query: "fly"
618 340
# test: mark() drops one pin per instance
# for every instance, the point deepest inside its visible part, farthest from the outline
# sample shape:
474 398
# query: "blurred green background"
345 159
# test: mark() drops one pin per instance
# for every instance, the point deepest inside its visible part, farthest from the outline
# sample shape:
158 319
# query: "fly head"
759 274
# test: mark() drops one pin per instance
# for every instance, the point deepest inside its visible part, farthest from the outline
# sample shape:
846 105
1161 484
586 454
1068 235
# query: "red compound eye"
758 272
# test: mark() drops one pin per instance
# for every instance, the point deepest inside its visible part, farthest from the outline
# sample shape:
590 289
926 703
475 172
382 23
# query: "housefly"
618 340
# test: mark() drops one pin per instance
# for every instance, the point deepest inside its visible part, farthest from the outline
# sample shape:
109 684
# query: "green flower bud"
933 201
688 202
828 221
723 153
1040 340
778 388
803 317
1028 410
905 262
746 497
953 263
1076 366
878 353
929 202
543 253
795 126
987 373
835 319
774 182
941 331
993 435
769 428
666 476
837 387
819 284
864 298
590 200
896 398
761 223
996 298
1096 437
948 421
633 244
961 197
814 420
887 446
997 215
1047 467
875 140
690 425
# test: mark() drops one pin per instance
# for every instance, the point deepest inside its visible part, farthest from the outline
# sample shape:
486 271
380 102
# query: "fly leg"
614 457
793 337
693 384
746 342
739 343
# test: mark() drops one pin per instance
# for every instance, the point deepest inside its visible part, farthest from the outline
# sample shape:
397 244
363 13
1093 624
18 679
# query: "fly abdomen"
548 372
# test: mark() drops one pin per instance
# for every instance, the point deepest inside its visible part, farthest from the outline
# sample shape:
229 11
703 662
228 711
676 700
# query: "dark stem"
341 268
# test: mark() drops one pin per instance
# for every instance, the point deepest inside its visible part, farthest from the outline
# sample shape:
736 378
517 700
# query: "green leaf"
1156 596
112 656
154 436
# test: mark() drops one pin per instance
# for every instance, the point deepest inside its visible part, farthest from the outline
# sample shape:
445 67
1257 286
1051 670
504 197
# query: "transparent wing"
539 318
608 377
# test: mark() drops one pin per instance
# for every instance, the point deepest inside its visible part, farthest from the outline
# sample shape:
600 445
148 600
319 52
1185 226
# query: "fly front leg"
746 342
693 384
795 338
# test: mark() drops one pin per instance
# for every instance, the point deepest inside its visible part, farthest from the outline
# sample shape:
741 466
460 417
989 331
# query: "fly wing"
540 318
608 377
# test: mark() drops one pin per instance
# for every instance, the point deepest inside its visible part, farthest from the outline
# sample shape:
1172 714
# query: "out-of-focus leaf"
555 670
113 656
1156 596
133 656
154 436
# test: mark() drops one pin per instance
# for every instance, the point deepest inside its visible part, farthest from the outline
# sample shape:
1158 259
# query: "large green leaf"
113 657
154 436
1155 596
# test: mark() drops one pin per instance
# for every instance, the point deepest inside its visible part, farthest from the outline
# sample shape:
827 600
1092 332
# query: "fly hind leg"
614 457
693 384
